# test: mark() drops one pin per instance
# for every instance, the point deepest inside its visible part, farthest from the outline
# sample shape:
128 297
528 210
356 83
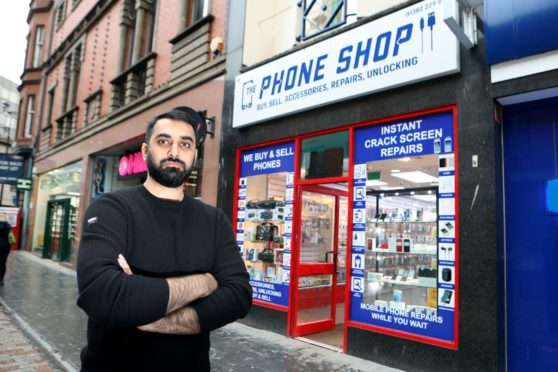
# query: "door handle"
334 261
327 256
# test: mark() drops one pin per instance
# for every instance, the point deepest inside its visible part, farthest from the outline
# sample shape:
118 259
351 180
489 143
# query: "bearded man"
157 269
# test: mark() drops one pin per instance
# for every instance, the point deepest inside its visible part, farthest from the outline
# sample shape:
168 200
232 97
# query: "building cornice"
43 9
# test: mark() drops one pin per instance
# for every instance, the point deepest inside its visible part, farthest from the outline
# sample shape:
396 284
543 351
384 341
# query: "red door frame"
304 269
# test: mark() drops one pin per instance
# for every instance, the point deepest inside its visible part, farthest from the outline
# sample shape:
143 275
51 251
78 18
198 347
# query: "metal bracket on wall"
466 30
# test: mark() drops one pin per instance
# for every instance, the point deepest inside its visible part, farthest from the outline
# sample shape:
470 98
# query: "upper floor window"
30 114
39 40
194 10
50 106
92 107
59 13
275 26
139 20
66 124
72 69
320 16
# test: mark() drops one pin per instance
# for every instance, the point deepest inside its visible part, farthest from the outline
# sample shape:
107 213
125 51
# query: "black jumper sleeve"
106 294
233 298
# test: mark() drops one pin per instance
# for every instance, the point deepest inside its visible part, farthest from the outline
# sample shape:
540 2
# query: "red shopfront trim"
297 183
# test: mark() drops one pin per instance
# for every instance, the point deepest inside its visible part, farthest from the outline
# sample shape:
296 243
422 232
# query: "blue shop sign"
275 293
267 160
417 136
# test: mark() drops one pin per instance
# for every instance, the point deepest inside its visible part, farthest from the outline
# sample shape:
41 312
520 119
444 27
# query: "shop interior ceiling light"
416 177
428 198
375 183
388 188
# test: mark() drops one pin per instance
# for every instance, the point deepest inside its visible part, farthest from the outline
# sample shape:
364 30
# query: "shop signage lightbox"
405 254
264 220
404 47
131 164
11 168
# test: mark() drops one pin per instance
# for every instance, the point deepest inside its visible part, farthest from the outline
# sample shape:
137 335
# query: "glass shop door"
318 294
59 230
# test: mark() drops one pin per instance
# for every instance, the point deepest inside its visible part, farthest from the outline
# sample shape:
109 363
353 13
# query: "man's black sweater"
160 239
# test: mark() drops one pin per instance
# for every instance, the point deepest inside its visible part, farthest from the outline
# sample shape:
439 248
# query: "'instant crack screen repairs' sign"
404 47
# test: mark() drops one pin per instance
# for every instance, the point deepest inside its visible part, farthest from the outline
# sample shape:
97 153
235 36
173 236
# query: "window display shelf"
430 250
374 220
410 282
262 221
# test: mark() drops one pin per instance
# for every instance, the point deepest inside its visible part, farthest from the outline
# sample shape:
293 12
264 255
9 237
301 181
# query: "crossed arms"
180 318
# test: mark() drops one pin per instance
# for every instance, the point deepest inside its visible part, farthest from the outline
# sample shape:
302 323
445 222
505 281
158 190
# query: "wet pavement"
41 295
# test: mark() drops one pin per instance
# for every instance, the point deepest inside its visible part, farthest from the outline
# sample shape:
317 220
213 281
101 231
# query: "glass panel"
317 228
325 156
314 298
401 260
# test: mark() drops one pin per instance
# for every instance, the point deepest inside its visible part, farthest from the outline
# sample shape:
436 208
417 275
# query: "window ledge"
140 65
199 23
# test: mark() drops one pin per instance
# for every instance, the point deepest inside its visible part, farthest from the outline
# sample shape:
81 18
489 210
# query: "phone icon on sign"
248 90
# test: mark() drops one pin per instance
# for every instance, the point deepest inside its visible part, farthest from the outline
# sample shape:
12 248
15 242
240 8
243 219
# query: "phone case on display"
266 231
267 204
267 255
407 245
399 245
446 297
252 204
265 214
446 274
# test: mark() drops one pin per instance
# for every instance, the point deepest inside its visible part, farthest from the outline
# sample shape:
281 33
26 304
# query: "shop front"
122 166
365 237
357 157
56 213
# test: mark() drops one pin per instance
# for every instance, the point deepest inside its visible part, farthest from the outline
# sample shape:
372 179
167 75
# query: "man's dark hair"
185 114
172 114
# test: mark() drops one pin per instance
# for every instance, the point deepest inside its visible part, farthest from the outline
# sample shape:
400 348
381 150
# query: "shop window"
56 214
264 220
192 186
325 156
30 115
37 51
404 251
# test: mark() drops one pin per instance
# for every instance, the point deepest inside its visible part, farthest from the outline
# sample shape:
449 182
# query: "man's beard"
168 176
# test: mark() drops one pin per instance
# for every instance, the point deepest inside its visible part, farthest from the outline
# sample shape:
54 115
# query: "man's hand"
124 264
183 321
